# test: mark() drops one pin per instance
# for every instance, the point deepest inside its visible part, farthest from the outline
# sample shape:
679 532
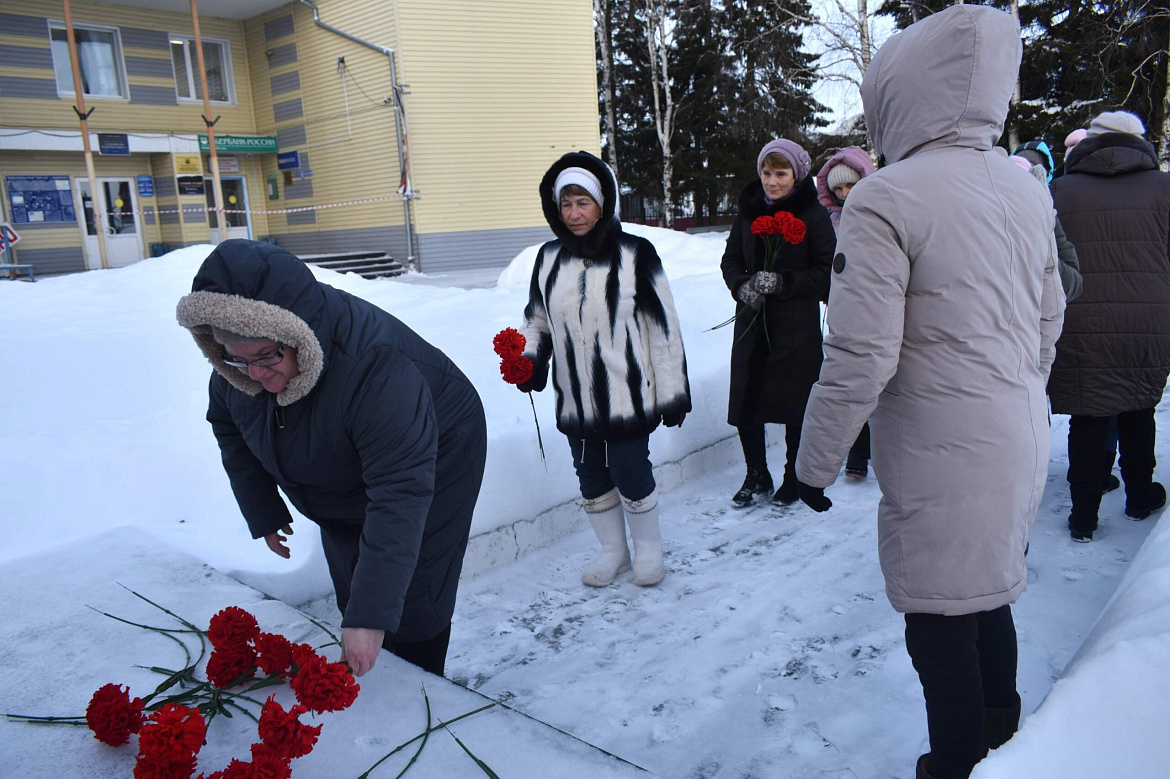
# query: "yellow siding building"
492 92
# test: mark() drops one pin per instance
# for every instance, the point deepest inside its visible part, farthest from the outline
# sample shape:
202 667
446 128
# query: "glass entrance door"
123 237
235 198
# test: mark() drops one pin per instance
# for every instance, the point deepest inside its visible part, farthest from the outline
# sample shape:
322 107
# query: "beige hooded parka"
944 310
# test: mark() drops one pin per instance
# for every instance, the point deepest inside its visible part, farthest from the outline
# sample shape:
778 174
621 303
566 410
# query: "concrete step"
369 265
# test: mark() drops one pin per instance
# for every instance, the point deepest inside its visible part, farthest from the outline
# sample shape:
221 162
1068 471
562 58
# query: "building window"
99 57
217 58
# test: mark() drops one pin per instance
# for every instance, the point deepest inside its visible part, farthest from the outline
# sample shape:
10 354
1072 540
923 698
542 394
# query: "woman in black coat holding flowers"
777 268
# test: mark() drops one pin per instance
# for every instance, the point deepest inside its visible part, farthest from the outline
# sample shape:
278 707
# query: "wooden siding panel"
32 57
155 67
282 55
288 110
525 76
28 88
477 248
144 35
285 82
279 27
65 259
32 26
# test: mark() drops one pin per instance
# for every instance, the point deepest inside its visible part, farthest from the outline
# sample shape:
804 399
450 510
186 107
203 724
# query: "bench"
11 270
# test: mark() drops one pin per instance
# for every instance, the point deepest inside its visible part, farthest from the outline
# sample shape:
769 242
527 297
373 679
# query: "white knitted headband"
581 178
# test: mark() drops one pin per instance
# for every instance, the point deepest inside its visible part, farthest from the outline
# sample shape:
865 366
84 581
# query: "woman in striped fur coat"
600 310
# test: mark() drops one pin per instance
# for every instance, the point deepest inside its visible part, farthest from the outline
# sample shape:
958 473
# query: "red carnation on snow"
171 765
274 653
516 370
284 732
174 729
112 716
509 343
232 626
323 686
227 664
303 654
267 763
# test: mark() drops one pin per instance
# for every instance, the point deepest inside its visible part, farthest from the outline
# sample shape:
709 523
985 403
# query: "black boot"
856 468
920 771
757 482
1111 483
1146 502
1079 532
1000 725
789 491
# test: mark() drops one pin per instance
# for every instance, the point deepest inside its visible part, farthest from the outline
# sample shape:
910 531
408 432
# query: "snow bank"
1106 715
107 395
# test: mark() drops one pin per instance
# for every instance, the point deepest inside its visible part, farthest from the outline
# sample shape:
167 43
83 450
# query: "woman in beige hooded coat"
943 315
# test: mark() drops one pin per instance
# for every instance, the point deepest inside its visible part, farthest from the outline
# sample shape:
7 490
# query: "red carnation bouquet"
172 727
775 230
517 369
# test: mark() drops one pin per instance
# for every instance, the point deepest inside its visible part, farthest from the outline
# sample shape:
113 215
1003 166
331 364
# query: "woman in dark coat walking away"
366 428
600 313
1113 357
776 355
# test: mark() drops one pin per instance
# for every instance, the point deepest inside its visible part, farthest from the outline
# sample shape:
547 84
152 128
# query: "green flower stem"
426 737
35 719
484 766
424 734
326 631
179 619
539 440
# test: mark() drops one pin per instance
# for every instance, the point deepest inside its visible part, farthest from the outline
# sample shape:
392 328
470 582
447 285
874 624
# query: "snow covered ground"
769 649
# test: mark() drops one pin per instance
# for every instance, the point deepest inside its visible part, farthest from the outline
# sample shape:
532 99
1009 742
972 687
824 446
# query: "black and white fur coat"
600 310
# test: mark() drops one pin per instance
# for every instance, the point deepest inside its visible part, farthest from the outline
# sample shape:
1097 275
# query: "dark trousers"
755 454
858 458
1090 459
965 663
429 655
603 465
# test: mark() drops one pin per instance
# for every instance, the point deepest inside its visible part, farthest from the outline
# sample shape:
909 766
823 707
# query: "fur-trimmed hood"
261 291
1111 154
602 239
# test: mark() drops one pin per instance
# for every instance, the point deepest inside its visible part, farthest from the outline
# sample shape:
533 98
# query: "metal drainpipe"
398 114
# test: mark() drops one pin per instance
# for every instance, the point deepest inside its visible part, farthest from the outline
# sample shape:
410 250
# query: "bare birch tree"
659 34
845 36
605 51
1013 128
1164 146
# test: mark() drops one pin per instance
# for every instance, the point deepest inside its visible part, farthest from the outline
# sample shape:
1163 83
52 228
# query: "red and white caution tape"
212 209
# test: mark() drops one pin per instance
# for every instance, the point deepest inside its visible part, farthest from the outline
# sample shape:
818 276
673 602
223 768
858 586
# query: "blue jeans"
603 465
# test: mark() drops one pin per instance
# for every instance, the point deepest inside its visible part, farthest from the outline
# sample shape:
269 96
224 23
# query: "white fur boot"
605 514
642 517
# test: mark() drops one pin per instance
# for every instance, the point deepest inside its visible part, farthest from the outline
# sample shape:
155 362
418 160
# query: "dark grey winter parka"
1114 353
380 439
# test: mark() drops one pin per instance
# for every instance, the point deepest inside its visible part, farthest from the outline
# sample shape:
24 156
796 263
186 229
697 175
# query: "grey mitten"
765 282
748 295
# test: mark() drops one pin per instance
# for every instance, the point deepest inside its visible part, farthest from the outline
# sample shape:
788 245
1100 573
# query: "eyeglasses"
263 362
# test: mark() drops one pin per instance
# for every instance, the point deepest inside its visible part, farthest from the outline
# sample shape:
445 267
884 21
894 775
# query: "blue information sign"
38 199
114 143
288 160
145 186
